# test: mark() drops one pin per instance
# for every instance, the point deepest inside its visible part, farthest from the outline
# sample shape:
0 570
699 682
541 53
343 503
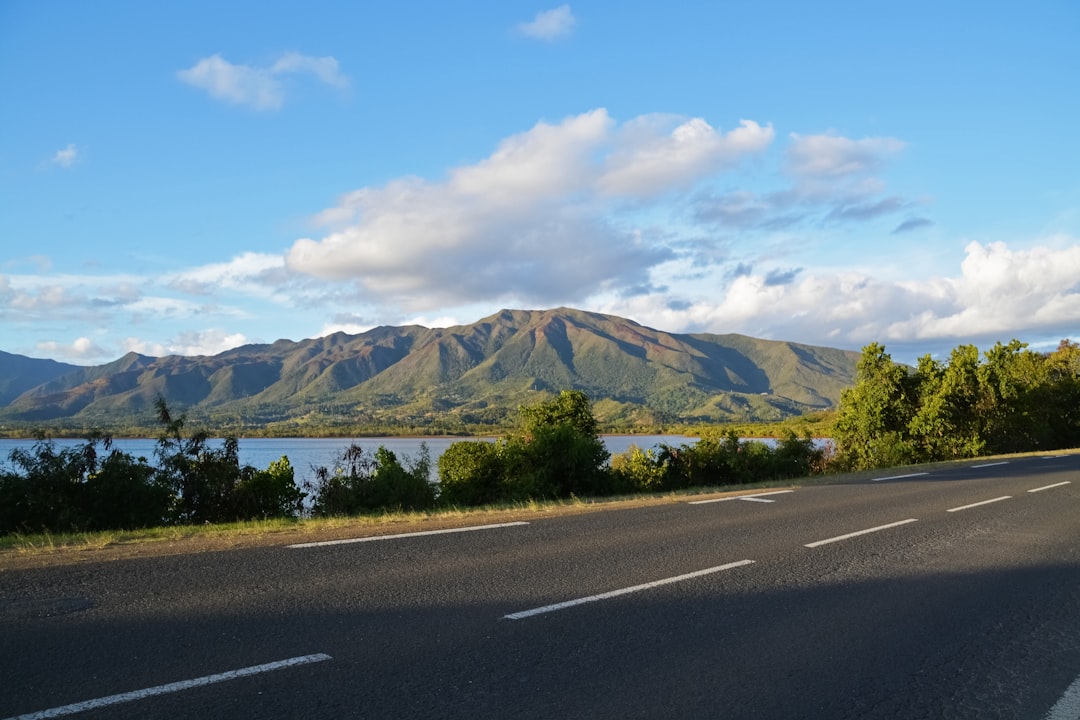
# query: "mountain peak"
459 376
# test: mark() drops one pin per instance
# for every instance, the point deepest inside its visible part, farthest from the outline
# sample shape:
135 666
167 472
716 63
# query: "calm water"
305 453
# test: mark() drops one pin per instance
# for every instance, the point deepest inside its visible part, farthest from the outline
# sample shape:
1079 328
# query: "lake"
306 453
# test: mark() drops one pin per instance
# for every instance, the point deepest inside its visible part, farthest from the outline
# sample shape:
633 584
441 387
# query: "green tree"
556 451
126 493
472 473
947 423
269 493
871 427
359 482
1011 380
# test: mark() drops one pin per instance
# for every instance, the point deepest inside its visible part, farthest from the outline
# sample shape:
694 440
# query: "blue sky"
189 177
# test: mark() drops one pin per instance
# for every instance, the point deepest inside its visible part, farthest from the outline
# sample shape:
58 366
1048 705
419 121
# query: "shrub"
359 483
471 473
269 493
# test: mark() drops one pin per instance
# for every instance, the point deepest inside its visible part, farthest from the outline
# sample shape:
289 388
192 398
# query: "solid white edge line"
1068 707
374 538
993 464
171 687
1047 487
984 502
860 532
624 591
900 477
738 497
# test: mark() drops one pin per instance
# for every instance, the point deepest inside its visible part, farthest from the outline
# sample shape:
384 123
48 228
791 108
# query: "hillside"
446 377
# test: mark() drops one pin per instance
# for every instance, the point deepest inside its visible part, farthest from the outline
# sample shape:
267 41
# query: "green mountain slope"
478 373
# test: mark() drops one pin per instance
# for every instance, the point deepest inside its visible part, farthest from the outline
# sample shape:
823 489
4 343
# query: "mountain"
469 374
19 374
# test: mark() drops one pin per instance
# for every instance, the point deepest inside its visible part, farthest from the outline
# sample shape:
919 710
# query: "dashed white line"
1068 707
623 591
899 477
860 532
756 497
171 688
1047 487
375 538
984 502
993 464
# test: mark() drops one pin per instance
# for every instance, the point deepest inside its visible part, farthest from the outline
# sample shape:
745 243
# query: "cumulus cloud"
534 222
66 158
997 293
649 159
260 88
81 349
550 25
199 342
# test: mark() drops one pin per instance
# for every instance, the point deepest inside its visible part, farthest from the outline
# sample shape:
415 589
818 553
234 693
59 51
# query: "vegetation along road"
950 594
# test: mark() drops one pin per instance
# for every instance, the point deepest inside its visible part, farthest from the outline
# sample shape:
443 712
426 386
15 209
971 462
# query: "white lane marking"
375 538
1068 707
984 502
1047 487
993 464
860 532
756 497
171 687
624 591
900 477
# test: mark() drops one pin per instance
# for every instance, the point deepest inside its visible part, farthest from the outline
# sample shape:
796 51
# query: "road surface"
952 594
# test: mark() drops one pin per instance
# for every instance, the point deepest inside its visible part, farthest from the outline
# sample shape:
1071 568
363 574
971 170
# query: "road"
954 594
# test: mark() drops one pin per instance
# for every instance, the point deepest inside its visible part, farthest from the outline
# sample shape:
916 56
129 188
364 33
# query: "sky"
185 178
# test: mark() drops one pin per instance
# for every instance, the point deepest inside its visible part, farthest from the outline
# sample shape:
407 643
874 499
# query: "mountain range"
415 376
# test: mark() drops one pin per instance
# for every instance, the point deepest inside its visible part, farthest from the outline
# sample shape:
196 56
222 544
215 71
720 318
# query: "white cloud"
535 222
832 156
649 159
550 24
834 180
998 293
200 342
324 68
81 349
257 274
261 88
66 158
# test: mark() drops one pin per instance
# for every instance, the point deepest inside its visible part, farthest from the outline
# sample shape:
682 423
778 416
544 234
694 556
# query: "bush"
125 494
471 473
360 483
269 493
556 452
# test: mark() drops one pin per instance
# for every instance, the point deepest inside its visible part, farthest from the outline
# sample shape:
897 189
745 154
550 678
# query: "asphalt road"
949 595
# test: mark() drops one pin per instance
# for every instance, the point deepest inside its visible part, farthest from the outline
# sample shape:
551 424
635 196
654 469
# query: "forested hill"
446 377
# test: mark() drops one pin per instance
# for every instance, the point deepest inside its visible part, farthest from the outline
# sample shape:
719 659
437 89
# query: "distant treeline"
1011 400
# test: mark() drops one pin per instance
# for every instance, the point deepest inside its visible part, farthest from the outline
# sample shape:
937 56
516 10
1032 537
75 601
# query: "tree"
269 493
471 473
361 483
872 421
947 423
1011 380
555 452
